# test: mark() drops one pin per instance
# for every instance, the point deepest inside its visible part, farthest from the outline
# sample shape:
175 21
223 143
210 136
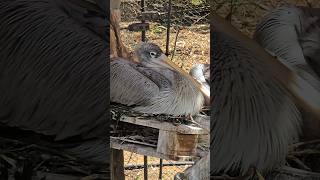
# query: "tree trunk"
117 48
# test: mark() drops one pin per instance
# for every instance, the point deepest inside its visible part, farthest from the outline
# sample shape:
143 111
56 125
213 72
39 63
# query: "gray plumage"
152 85
254 118
201 73
293 35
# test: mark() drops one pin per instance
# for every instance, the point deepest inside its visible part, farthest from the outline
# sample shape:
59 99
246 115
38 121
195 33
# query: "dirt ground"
168 172
192 45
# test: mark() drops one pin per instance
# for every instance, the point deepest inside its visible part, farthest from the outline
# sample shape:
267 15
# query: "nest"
20 160
125 132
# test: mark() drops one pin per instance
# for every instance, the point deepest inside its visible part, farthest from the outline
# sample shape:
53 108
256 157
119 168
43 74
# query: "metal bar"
145 167
143 32
168 28
160 169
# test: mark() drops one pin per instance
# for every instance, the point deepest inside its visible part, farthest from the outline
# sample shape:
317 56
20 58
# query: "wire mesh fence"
189 33
134 167
183 12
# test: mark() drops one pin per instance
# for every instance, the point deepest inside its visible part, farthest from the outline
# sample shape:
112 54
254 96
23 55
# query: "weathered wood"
145 167
151 151
175 144
115 4
154 123
117 48
117 164
203 122
174 141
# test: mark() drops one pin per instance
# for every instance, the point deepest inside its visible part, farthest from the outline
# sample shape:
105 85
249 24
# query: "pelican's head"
150 55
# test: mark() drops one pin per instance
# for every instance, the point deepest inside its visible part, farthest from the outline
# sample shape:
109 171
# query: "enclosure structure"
182 31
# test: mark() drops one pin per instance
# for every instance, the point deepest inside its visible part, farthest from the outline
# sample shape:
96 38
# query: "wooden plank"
145 167
203 122
117 164
154 123
151 151
176 144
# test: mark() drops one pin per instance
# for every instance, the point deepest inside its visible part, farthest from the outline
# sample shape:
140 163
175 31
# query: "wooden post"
117 164
145 167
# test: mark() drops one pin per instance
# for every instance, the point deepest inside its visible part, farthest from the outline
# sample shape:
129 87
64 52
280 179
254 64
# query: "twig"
130 158
175 43
202 17
132 141
299 163
306 151
296 145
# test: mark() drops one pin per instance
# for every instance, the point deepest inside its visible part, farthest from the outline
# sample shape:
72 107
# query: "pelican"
154 85
292 34
54 73
255 117
201 73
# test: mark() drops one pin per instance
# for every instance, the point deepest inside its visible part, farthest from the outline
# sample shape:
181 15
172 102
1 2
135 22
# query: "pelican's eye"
153 54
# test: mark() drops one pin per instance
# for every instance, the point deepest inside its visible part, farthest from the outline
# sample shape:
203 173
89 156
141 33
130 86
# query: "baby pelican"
154 85
293 35
201 73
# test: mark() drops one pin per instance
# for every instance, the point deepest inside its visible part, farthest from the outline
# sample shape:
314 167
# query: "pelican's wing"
255 118
89 13
289 34
53 72
129 83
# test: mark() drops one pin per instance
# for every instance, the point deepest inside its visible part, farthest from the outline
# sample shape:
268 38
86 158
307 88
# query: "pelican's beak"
163 62
169 64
